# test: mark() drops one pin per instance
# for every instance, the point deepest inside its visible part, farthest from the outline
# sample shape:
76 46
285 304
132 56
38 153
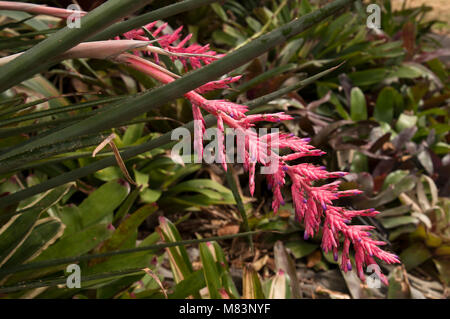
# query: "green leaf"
210 270
78 243
42 85
30 21
219 11
103 201
395 233
392 222
369 77
251 284
394 178
14 233
358 107
139 259
208 193
443 266
127 227
141 178
415 255
396 211
71 218
45 233
425 159
359 163
398 285
405 121
441 148
289 50
142 248
254 24
126 205
226 279
189 286
305 7
322 90
108 174
392 192
150 196
178 257
384 108
74 245
301 248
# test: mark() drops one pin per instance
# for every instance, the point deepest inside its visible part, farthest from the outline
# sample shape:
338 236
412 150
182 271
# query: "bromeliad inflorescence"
313 204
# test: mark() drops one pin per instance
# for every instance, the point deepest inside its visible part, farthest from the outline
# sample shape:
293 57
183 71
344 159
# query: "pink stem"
38 9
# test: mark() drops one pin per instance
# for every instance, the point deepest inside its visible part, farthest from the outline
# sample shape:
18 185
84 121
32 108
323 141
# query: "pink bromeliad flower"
314 205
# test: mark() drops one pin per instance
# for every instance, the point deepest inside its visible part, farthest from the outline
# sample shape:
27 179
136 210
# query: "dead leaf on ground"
284 213
257 265
228 230
332 294
314 259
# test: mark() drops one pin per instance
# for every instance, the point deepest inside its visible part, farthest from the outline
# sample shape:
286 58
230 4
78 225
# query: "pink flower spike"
251 178
220 143
199 130
276 117
236 111
214 85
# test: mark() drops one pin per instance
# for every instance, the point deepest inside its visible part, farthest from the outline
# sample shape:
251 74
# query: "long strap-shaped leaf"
130 108
95 21
145 147
63 261
14 233
63 280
